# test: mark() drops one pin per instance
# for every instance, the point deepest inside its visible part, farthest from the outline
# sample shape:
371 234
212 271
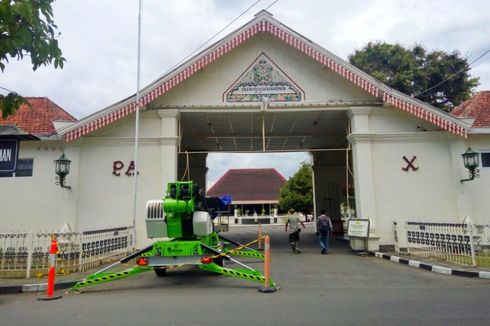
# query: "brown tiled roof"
37 118
249 185
478 107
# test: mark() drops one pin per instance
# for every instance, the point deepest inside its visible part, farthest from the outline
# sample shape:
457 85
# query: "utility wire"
8 90
271 5
456 73
216 34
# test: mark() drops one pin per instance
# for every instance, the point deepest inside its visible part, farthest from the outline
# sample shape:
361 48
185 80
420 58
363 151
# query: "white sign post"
359 228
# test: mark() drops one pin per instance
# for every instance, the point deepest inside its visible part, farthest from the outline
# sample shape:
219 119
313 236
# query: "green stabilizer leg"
103 277
247 274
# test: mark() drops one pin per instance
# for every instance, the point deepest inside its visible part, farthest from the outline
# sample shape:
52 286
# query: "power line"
271 5
456 73
8 90
216 34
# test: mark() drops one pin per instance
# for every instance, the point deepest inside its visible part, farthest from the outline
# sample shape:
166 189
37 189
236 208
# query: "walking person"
324 229
294 222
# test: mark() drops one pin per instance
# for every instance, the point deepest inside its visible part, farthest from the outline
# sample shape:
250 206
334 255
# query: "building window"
485 159
23 169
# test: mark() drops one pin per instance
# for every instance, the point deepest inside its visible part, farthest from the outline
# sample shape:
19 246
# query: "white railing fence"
459 242
26 254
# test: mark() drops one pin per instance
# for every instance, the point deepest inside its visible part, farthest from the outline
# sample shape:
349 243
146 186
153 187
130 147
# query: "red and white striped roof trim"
426 115
265 24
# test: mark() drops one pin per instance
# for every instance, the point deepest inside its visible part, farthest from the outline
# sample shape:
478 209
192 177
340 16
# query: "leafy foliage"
27 29
297 192
10 103
439 78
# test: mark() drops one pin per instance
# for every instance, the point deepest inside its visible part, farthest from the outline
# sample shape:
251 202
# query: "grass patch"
482 259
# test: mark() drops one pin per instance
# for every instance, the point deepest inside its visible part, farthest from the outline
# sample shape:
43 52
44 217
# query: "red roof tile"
478 107
251 185
37 118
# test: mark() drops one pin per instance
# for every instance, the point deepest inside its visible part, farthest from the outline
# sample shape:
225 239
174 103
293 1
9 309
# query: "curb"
34 287
431 268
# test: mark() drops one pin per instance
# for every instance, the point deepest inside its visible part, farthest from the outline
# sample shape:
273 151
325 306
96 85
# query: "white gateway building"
262 88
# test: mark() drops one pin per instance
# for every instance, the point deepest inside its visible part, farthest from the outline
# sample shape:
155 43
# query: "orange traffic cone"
51 272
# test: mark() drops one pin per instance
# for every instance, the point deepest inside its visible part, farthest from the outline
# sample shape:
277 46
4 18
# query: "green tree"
26 29
439 78
297 192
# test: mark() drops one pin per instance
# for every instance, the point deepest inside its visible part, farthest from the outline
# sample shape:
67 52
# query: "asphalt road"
336 289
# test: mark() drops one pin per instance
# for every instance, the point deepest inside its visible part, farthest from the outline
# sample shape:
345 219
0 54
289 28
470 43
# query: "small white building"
262 88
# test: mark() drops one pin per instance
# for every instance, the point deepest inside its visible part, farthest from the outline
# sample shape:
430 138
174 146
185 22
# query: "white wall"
434 191
34 203
429 192
106 199
476 194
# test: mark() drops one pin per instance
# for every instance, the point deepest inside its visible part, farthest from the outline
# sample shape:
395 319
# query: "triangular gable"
264 23
263 79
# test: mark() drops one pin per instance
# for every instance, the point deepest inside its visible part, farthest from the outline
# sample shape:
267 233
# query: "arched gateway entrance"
273 128
266 88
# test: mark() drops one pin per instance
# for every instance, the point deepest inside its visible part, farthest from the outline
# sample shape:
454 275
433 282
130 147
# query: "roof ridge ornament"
263 12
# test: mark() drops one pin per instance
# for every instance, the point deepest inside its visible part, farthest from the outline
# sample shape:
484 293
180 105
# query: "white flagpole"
137 125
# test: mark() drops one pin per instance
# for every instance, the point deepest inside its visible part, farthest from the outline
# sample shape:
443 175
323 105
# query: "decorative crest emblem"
263 79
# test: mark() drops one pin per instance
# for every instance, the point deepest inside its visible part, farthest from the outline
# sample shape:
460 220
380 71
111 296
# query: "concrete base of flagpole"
49 298
267 289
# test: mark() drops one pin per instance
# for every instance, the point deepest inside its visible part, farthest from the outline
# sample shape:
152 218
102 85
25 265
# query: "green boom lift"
184 218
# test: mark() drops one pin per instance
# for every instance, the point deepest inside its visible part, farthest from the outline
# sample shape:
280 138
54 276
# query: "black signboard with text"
8 154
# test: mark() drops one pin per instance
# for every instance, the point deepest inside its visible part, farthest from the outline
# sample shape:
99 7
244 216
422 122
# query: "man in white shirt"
293 222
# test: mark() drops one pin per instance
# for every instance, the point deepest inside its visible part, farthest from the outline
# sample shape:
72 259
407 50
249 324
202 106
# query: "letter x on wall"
409 164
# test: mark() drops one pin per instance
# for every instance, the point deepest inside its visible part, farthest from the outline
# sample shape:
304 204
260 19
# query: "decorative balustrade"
26 254
463 243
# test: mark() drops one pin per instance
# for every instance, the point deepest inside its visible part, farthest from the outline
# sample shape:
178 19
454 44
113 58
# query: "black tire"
160 271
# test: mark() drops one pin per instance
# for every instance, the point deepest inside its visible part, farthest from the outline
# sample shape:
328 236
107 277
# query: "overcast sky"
99 40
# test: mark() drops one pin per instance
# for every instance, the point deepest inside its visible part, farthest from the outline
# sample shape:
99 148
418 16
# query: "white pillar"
168 146
362 160
363 177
